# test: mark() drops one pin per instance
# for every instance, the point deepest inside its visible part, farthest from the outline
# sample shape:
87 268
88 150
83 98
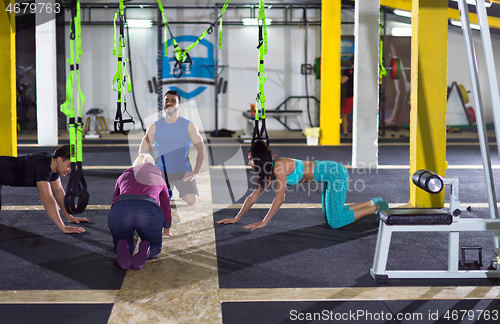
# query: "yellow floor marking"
58 296
381 167
106 167
256 206
267 294
359 293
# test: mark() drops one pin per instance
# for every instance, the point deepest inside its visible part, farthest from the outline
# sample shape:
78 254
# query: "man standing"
173 136
347 81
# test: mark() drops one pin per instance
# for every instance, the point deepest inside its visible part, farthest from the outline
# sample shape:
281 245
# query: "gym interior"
425 98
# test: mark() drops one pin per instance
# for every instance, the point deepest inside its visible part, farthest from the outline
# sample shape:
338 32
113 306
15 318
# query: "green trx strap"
77 197
121 78
260 112
382 70
182 59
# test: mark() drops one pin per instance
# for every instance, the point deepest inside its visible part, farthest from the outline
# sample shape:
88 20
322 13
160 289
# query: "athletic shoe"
123 255
376 200
140 258
381 205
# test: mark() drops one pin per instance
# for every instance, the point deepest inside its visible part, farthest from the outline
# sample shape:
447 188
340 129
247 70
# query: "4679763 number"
471 315
32 7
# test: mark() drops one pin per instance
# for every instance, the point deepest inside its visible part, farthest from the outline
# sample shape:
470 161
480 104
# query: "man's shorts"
184 187
347 105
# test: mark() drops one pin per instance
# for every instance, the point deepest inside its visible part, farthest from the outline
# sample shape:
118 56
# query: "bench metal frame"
295 114
379 272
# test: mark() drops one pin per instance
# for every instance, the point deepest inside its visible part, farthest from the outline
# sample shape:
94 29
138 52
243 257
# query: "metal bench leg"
378 271
453 254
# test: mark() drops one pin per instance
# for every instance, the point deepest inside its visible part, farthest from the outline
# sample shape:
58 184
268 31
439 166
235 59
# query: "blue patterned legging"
335 179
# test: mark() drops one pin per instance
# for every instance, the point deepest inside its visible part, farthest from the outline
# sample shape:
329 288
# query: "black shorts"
184 187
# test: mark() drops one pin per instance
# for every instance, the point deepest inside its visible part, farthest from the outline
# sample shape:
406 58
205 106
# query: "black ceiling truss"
252 8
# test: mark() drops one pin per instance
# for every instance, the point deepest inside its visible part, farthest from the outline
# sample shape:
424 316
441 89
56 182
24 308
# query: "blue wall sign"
346 49
201 72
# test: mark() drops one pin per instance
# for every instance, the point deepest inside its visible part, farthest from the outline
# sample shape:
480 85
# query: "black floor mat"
36 255
393 311
55 313
297 249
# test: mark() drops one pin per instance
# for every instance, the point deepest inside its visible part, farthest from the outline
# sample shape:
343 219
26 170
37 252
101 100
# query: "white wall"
98 67
282 66
458 69
239 53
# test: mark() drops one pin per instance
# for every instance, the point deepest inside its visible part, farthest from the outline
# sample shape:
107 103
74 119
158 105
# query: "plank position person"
287 171
42 170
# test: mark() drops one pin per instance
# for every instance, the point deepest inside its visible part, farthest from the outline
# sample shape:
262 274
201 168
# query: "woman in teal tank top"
287 172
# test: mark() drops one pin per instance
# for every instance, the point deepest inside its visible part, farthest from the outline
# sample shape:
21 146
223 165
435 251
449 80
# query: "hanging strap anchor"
121 78
260 112
182 59
77 196
72 107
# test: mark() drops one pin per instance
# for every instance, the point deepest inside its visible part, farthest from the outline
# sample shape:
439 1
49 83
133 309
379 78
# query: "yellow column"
429 56
330 72
8 118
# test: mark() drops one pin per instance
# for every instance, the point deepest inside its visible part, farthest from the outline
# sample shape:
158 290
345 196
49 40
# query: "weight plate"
463 91
396 68
317 67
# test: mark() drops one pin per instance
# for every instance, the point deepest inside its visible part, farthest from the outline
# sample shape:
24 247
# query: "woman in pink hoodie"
140 203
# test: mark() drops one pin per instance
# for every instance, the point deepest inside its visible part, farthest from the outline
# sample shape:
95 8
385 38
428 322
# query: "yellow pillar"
429 57
330 72
8 118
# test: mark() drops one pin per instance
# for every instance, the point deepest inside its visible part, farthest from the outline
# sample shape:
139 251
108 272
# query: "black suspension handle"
77 196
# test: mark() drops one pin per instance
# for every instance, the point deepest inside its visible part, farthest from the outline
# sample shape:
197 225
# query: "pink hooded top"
145 180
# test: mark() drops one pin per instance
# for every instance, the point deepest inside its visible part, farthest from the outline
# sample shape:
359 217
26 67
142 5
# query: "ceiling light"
473 2
455 22
254 21
402 13
401 31
139 23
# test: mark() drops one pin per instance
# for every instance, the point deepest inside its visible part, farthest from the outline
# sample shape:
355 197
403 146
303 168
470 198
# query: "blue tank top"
173 142
297 174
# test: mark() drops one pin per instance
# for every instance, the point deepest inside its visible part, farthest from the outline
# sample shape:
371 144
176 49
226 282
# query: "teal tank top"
297 174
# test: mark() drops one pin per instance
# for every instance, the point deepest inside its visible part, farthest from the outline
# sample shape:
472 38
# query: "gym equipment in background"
433 220
183 61
458 116
260 112
77 196
121 78
419 219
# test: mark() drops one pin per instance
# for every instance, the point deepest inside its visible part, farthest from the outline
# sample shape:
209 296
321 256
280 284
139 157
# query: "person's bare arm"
277 202
50 205
249 201
148 139
58 193
197 140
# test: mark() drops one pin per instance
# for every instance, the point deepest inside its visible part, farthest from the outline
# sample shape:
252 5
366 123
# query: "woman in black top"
42 170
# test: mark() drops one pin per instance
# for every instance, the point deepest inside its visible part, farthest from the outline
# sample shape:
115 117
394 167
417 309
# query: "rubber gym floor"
296 269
